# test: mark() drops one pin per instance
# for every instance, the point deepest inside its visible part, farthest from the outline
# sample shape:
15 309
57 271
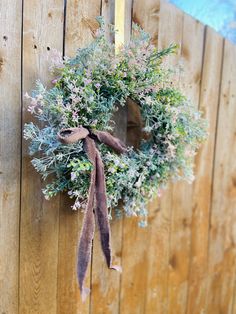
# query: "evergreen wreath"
87 90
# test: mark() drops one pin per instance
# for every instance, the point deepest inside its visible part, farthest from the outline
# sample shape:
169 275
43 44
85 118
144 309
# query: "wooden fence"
184 262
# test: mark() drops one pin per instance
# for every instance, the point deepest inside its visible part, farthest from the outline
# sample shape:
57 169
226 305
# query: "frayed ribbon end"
84 294
117 268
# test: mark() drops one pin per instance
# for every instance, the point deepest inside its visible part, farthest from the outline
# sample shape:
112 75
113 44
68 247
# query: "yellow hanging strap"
119 24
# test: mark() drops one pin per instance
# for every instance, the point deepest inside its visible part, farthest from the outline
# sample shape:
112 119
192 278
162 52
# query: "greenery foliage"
86 90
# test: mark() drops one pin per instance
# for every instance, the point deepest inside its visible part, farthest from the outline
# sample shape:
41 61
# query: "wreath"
76 151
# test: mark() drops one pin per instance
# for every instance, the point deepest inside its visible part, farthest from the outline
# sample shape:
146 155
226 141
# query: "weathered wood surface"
185 261
42 30
201 202
222 238
180 248
10 152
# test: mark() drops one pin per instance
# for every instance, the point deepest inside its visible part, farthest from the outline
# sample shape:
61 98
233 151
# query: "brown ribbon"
97 201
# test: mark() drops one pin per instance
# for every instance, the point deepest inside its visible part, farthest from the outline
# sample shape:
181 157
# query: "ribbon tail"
115 143
84 293
87 233
102 213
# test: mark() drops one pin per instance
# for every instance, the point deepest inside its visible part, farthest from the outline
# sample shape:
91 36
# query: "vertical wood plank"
170 30
42 30
133 263
147 15
222 253
135 252
128 20
10 152
201 202
108 13
106 283
80 26
234 300
192 54
153 294
134 260
228 100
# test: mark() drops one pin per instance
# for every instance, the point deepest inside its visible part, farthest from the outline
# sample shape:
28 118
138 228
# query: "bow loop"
72 135
115 143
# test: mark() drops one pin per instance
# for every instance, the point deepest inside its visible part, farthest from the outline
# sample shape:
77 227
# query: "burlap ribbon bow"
97 202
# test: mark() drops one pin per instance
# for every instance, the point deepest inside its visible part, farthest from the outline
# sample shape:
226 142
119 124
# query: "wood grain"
153 17
189 82
135 252
134 260
81 23
108 13
157 299
201 202
147 14
228 116
222 254
170 30
42 30
10 152
234 302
